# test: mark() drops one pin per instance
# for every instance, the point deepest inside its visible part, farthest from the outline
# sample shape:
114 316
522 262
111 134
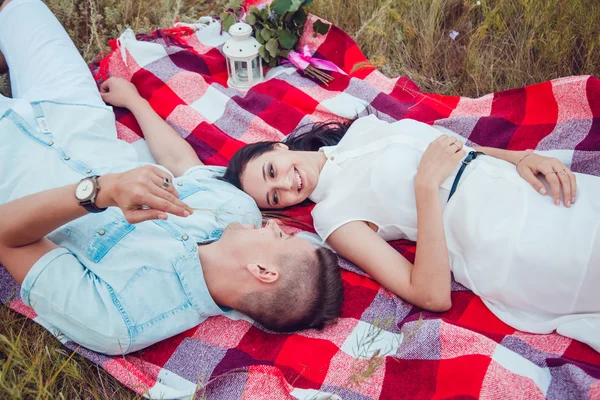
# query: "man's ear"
281 146
264 274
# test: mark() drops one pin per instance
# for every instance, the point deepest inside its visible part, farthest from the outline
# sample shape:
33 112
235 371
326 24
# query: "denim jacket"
112 286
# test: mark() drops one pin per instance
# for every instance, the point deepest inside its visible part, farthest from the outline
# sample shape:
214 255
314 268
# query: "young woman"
534 262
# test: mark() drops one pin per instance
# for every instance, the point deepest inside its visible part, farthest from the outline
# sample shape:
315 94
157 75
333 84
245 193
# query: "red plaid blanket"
382 347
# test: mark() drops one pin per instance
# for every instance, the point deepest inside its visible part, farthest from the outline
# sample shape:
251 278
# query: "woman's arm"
529 165
168 148
427 283
26 221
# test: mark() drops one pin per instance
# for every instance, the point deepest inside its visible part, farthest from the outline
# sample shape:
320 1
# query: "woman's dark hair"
309 137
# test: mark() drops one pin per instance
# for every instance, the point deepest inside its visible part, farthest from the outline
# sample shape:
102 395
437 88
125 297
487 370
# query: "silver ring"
166 182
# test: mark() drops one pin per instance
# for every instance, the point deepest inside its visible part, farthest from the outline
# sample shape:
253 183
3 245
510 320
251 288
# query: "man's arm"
27 221
168 148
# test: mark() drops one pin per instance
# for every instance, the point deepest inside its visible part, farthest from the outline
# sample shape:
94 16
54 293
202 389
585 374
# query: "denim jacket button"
185 237
101 232
67 158
179 184
88 171
50 143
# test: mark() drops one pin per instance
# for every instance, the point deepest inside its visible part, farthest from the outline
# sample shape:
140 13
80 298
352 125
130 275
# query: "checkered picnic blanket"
382 347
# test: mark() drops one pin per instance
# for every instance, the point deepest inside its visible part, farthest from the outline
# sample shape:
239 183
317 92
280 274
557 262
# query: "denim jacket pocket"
186 188
152 295
107 237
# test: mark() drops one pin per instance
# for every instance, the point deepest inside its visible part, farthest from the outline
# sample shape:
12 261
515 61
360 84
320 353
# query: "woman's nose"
285 183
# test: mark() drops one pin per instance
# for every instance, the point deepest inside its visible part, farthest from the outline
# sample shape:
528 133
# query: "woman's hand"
119 92
439 160
142 194
557 174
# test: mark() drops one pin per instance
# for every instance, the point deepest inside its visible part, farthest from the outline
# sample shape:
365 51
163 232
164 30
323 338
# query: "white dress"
535 265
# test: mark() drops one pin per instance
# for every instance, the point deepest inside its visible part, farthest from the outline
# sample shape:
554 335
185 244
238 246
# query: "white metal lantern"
244 65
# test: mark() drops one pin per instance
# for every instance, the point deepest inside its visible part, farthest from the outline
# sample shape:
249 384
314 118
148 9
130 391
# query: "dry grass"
34 365
501 44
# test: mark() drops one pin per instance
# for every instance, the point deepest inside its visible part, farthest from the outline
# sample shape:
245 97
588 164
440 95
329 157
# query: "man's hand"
119 92
141 194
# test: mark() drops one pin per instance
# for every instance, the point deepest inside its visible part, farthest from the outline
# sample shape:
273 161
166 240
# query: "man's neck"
221 274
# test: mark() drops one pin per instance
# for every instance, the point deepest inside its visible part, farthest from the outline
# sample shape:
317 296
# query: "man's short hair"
309 295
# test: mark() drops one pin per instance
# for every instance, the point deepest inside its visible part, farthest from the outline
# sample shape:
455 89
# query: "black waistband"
470 157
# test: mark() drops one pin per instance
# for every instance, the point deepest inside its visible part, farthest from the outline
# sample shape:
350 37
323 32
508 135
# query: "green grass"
501 44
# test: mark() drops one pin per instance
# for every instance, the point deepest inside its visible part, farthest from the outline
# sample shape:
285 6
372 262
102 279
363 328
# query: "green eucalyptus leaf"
287 39
266 34
228 21
250 19
262 51
281 6
235 4
296 4
300 17
321 27
273 62
272 47
259 38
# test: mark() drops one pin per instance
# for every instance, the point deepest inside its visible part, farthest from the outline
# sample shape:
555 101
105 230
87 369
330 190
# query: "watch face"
84 190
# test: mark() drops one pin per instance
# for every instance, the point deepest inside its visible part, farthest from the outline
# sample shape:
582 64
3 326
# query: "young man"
70 192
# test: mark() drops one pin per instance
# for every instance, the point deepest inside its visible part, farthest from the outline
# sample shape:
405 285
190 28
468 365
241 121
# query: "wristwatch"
86 192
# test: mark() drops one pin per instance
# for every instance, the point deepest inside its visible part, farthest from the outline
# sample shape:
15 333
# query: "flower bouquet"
277 26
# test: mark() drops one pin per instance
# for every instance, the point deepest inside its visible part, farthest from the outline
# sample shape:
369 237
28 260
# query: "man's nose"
273 225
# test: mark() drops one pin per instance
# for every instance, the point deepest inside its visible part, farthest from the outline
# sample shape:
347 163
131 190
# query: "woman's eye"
275 198
272 172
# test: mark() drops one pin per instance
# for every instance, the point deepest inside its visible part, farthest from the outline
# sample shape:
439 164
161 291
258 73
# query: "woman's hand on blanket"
119 92
439 160
142 194
557 174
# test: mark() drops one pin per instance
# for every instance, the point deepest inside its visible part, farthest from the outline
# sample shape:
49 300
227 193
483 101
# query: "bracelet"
526 155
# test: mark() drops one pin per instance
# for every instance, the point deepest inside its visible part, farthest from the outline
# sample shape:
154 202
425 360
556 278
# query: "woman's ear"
281 146
262 273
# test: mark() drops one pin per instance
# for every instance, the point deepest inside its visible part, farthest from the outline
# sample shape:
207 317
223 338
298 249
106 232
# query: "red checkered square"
346 371
500 383
259 130
266 383
125 371
552 343
21 308
541 107
186 118
414 379
571 98
307 357
456 342
480 319
222 331
262 346
191 86
359 292
335 333
462 376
